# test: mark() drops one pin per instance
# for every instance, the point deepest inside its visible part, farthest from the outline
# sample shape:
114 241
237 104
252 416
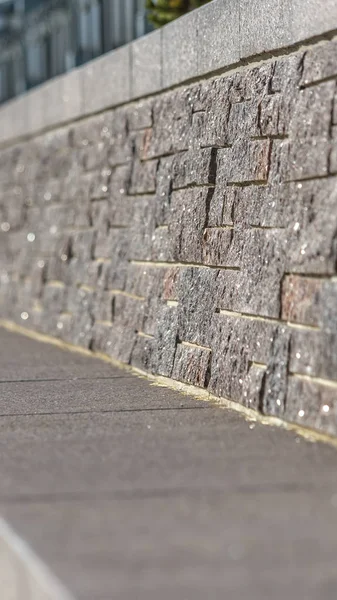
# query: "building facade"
40 39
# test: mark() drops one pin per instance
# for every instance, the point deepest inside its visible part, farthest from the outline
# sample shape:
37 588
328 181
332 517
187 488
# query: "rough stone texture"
192 235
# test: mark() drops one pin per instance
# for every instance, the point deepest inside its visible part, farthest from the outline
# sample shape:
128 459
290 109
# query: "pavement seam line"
71 380
103 411
311 435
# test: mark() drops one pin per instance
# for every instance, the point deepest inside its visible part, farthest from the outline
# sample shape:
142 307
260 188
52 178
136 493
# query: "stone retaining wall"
192 234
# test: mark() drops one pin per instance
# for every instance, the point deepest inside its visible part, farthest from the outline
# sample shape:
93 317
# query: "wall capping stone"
212 38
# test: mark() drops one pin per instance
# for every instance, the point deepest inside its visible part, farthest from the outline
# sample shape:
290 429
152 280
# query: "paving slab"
132 491
84 395
183 547
110 457
32 360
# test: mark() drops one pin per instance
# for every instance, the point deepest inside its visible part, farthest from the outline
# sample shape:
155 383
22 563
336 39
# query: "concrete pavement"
132 491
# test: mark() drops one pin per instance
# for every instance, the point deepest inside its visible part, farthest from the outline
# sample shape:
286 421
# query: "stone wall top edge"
215 37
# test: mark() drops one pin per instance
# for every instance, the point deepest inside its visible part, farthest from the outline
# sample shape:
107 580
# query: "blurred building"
40 39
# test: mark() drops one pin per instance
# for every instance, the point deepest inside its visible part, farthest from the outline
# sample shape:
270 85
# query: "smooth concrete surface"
23 574
131 491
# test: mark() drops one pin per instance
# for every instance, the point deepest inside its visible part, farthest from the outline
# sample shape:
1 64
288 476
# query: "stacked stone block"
192 235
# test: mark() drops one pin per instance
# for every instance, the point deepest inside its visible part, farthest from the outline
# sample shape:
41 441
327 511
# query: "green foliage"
160 12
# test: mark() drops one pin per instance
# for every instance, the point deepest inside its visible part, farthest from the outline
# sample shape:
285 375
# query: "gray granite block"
146 64
265 25
72 95
218 35
180 50
106 80
14 119
312 18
